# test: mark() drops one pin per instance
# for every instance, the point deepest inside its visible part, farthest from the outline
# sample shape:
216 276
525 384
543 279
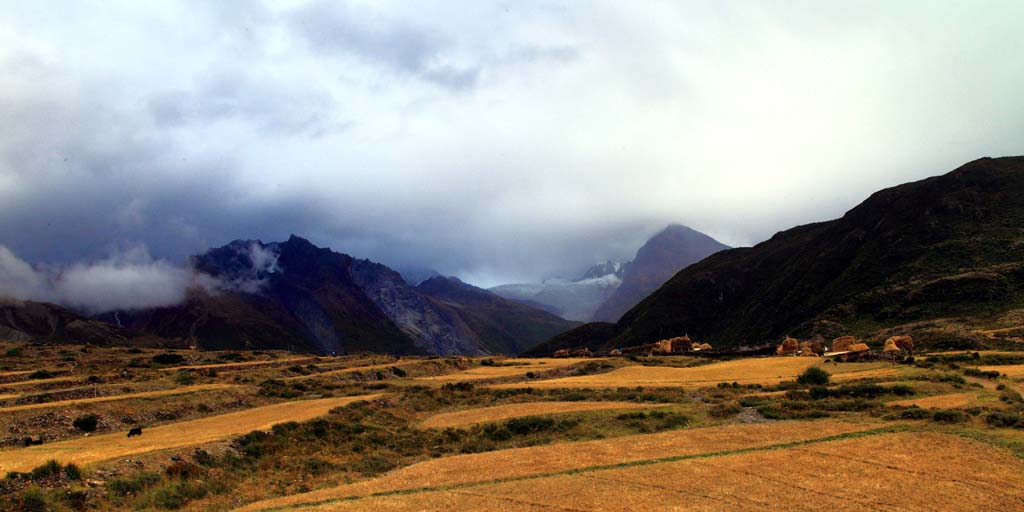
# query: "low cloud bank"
127 280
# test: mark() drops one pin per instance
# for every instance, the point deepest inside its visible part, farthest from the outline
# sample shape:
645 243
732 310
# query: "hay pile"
789 346
843 343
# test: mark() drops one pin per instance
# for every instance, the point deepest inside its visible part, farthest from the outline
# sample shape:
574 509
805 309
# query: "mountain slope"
48 323
666 253
940 258
501 325
295 295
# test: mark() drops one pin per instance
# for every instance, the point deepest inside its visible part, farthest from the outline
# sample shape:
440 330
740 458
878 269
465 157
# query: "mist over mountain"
668 252
606 290
296 295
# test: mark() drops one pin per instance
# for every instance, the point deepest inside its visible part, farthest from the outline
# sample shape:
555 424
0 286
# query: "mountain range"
941 259
607 290
295 295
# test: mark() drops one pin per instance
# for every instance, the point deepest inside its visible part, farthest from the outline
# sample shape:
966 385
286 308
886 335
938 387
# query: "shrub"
398 372
184 470
813 376
177 494
14 352
914 413
457 386
725 410
948 417
48 469
40 374
168 359
1004 419
33 499
86 423
132 485
529 425
203 458
72 472
372 464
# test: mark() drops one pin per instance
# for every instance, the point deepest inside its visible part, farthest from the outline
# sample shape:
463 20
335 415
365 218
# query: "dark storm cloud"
333 27
495 142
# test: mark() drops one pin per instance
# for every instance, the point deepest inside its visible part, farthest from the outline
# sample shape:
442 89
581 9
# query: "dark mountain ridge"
940 258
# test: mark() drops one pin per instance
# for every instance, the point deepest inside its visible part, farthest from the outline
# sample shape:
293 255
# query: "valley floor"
274 431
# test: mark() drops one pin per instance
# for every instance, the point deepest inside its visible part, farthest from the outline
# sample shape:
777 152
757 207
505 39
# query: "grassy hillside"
939 258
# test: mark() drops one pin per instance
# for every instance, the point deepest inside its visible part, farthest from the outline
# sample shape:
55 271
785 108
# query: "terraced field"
510 368
173 435
950 401
896 471
504 412
764 371
1010 370
531 462
125 396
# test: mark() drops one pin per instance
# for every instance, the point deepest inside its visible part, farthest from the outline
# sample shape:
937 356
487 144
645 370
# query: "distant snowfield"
572 300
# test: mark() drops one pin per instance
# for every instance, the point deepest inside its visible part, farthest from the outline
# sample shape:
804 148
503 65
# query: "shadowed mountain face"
295 295
49 323
666 253
501 325
934 258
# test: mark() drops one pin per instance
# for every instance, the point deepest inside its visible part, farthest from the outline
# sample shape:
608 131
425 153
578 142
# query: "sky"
495 141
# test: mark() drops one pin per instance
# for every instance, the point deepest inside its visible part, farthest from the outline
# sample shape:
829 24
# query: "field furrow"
504 412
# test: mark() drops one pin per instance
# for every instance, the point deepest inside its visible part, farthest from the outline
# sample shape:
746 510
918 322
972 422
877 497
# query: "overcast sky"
505 141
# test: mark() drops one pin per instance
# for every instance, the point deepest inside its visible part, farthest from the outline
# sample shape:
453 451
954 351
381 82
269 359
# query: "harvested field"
765 371
126 396
504 412
245 365
353 369
950 401
906 471
1010 370
540 460
517 367
87 450
5 397
37 382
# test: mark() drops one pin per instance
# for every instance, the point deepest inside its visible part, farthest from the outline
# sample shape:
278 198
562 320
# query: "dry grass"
537 460
521 367
765 371
950 401
503 412
91 449
910 471
5 397
245 365
1010 370
126 396
24 383
353 369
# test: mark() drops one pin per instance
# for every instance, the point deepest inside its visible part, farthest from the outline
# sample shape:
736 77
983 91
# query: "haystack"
705 346
843 343
662 347
807 350
903 342
859 347
616 352
789 346
581 352
890 346
561 353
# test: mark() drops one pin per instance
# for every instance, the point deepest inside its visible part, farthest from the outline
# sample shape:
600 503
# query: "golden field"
899 471
504 412
374 432
539 460
174 435
764 371
514 368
